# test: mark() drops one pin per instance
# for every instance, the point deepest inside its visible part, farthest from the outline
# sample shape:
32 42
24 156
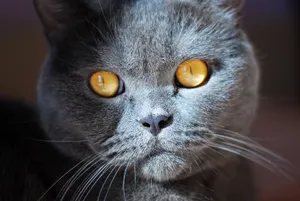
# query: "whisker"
112 182
103 185
67 186
251 144
252 156
134 173
81 189
124 181
62 193
255 154
93 181
245 141
240 135
236 134
59 141
75 166
106 39
203 174
83 184
105 19
216 170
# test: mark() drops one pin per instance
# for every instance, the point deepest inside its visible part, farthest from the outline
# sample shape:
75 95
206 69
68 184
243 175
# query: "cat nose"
156 123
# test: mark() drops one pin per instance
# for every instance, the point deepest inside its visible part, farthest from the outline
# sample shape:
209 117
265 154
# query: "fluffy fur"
143 42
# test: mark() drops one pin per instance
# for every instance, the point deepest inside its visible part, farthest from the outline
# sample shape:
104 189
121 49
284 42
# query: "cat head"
150 118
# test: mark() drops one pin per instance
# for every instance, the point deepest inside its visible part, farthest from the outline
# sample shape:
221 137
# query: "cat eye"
192 73
106 84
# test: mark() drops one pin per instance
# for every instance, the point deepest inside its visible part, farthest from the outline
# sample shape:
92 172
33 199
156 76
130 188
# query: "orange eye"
105 83
192 73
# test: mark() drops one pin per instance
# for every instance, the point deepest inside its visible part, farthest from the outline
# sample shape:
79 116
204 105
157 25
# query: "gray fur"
143 41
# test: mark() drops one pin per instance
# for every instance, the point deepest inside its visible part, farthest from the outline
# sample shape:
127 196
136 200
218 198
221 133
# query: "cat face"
153 123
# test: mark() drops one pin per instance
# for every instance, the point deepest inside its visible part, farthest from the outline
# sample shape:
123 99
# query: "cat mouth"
156 152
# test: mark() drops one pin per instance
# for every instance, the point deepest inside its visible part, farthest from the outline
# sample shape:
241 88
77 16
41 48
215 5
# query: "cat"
149 135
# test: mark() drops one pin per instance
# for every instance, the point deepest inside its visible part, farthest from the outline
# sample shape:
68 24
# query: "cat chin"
163 167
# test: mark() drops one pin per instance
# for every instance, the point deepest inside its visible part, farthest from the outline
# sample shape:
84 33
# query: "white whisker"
100 32
124 181
75 166
246 147
81 188
251 144
103 184
216 170
60 141
62 193
111 183
134 174
85 181
93 181
246 140
252 156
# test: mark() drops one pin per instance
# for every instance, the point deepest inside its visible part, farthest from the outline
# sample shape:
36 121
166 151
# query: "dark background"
273 27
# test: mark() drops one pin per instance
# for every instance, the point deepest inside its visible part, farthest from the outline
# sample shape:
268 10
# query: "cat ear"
59 16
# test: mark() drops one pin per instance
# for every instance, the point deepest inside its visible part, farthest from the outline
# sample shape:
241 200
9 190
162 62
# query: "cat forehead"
154 36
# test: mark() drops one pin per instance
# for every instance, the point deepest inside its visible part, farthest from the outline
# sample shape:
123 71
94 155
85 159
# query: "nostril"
147 122
165 122
146 125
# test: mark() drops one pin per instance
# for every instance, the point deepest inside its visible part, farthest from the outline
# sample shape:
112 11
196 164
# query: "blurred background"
272 26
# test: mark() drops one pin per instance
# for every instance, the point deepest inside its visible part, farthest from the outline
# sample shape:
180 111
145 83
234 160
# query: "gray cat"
152 99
